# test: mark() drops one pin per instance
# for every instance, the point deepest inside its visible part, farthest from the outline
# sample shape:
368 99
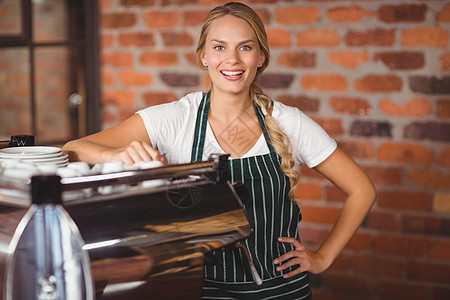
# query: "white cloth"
171 127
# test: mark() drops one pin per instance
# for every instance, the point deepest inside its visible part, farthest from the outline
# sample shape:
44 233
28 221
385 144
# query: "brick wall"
374 74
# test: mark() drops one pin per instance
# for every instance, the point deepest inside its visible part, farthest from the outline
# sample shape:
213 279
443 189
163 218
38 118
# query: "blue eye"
246 48
220 48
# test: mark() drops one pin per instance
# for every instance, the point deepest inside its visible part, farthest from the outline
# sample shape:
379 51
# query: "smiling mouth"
232 73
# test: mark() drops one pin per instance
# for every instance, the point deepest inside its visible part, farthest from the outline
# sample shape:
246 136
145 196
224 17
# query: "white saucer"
30 151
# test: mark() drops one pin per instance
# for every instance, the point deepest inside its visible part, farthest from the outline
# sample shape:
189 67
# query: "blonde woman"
266 140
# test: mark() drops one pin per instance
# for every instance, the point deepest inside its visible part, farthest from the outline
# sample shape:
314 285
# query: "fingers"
139 151
299 257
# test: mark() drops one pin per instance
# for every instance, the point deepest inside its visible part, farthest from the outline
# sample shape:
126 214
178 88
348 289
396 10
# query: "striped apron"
271 214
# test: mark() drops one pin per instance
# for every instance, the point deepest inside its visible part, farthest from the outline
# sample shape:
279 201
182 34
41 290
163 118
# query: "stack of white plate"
35 155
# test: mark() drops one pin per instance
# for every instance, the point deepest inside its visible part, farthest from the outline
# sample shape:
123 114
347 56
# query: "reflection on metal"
140 243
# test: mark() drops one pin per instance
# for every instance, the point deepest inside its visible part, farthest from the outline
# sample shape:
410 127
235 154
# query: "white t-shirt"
171 129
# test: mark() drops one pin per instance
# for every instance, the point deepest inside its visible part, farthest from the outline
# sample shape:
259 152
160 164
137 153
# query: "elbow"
371 193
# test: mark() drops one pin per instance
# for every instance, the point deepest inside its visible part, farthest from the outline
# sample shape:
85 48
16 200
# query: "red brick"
361 241
348 105
405 153
429 84
297 59
310 173
427 130
117 59
309 191
213 2
385 175
174 79
125 113
348 59
190 58
106 78
324 82
319 214
161 59
117 20
379 83
444 15
402 13
443 108
106 40
177 39
304 103
296 15
264 14
155 98
358 149
340 263
334 194
195 18
441 292
178 2
382 220
441 249
444 61
160 19
135 78
120 98
332 126
318 38
348 14
417 107
374 37
444 157
429 272
141 3
139 39
276 80
378 265
401 290
403 245
405 200
320 294
430 178
278 38
310 234
401 60
104 4
342 283
424 36
426 225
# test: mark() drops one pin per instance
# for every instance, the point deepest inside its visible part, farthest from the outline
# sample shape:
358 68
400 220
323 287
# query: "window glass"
10 18
52 90
15 107
50 21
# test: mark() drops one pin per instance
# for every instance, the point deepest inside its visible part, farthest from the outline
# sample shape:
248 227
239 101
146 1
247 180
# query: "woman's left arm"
345 173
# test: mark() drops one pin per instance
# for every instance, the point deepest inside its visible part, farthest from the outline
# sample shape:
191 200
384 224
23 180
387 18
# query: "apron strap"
200 129
262 124
202 121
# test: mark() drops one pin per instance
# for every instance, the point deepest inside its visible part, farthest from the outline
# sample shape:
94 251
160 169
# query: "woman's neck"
229 106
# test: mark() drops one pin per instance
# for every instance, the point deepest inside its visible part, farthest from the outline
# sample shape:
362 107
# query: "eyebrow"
240 43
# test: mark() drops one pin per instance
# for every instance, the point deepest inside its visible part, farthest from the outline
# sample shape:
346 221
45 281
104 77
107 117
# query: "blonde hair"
278 138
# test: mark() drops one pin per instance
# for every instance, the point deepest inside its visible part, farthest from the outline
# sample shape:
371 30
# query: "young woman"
266 141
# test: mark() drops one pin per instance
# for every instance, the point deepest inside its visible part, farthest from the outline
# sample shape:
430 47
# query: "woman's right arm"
127 142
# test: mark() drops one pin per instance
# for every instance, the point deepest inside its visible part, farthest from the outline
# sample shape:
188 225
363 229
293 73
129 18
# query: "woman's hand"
306 260
133 153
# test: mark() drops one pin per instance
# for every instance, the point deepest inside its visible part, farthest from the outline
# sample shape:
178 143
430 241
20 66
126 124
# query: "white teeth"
232 73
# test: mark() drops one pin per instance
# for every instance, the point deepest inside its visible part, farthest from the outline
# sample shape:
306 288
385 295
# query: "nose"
233 56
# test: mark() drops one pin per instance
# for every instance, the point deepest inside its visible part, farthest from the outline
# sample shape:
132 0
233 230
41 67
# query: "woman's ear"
262 58
203 59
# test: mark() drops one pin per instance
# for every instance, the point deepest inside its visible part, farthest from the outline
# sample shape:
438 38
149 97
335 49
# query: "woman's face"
232 54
